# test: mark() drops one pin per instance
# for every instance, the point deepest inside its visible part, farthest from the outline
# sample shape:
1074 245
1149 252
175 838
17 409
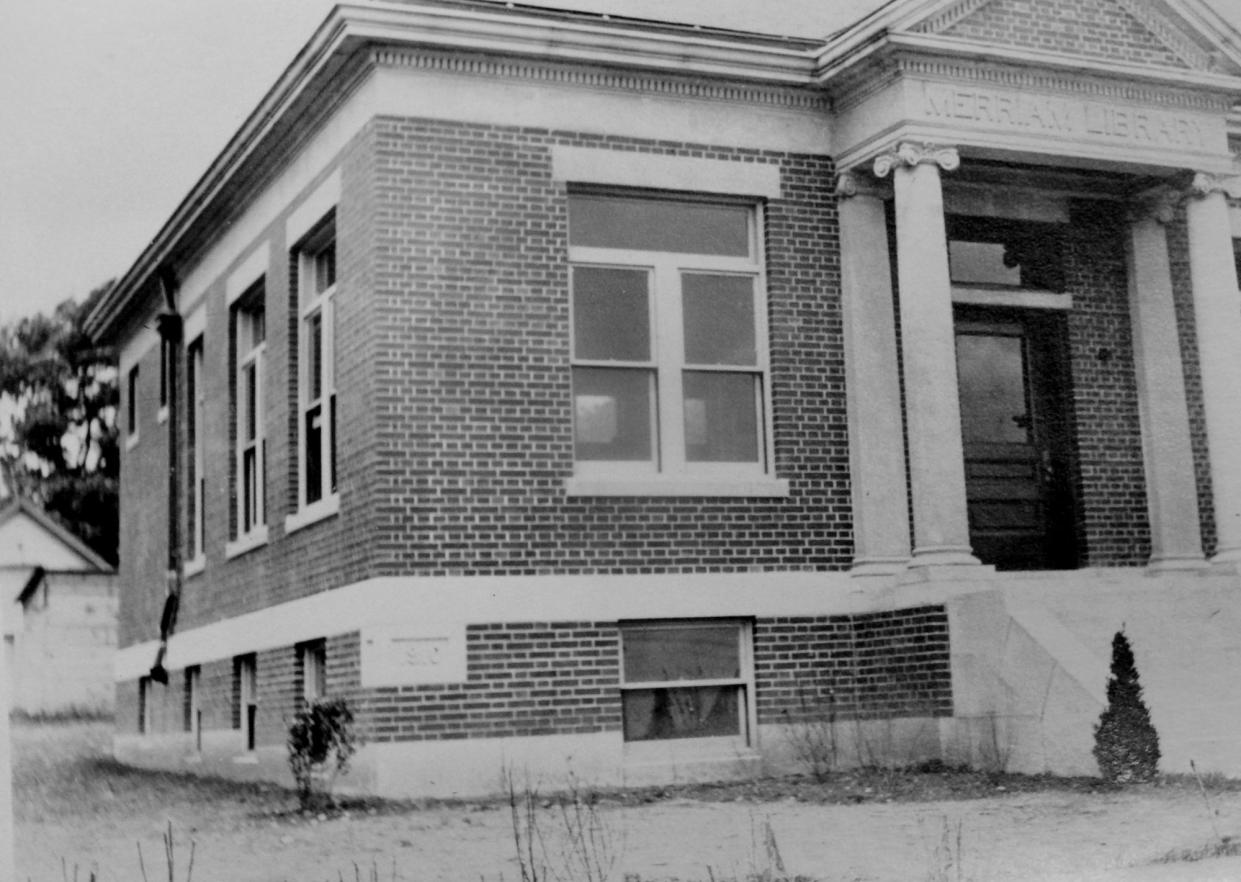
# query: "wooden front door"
1015 421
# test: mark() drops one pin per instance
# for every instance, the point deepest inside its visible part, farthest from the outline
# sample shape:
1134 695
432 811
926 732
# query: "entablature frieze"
583 76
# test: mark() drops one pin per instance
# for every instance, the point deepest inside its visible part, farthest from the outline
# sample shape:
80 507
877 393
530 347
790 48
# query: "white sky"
110 111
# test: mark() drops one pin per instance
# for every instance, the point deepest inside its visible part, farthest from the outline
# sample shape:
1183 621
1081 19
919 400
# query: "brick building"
568 389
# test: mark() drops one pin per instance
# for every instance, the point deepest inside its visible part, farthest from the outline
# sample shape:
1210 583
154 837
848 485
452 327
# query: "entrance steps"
1032 658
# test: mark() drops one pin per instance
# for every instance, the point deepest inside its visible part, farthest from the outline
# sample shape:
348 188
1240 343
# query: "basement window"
245 712
687 680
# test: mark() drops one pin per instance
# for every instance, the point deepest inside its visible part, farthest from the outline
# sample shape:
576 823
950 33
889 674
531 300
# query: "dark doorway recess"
1016 421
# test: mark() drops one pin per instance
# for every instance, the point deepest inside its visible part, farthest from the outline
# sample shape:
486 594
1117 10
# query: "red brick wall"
321 556
474 394
1111 473
1096 28
143 510
855 666
527 678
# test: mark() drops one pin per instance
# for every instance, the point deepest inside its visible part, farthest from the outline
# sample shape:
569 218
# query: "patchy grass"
1226 847
64 769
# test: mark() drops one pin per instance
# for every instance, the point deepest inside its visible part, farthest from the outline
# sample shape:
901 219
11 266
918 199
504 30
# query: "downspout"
169 326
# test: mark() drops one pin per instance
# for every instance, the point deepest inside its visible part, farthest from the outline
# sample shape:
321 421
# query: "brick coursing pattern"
523 679
853 666
560 678
473 379
455 405
1094 28
1111 482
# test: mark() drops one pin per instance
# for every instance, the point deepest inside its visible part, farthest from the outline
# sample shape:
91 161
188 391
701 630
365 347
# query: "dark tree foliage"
61 448
321 741
1125 742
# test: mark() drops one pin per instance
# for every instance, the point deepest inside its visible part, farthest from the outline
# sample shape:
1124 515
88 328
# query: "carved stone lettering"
396 656
1066 116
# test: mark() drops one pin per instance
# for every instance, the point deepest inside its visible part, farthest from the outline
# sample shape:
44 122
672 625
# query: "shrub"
1126 745
321 742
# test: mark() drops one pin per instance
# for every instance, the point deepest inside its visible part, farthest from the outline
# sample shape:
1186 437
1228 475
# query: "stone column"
932 405
872 382
1217 317
1171 490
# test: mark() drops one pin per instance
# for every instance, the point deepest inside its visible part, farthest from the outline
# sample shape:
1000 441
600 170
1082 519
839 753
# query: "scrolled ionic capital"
911 153
858 183
1157 204
1203 184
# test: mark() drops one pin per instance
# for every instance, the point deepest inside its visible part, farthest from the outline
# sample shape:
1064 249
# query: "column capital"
912 153
1158 204
856 183
1202 184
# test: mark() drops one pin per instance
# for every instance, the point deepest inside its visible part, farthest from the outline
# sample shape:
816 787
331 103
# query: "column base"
1227 556
960 556
1176 563
878 566
1227 561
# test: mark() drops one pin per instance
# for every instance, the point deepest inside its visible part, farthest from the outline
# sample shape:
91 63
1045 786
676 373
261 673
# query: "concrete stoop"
1032 654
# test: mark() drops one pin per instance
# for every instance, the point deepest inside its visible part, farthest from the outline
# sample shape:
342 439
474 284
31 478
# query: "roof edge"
551 35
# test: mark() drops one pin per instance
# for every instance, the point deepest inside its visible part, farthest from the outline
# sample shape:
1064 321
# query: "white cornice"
605 43
509 33
609 79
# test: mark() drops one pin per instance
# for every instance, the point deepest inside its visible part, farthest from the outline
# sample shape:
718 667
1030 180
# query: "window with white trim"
313 663
193 722
131 403
249 440
317 374
245 669
144 706
195 425
669 347
686 679
163 378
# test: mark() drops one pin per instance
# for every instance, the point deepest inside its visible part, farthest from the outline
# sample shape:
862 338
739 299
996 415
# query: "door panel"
1014 422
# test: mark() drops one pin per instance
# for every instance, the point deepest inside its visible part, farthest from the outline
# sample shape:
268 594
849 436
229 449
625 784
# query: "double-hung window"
317 381
250 442
669 346
312 659
686 679
131 404
196 412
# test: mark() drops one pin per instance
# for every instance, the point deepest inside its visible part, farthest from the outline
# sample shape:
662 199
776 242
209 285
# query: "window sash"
743 684
314 671
194 431
131 405
250 443
316 380
670 455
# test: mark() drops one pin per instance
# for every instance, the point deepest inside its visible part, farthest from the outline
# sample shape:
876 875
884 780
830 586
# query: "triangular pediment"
1119 31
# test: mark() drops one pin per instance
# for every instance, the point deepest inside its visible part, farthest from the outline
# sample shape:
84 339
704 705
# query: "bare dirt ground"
78 812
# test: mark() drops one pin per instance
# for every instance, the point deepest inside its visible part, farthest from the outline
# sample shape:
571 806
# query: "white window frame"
132 377
312 303
145 716
162 414
313 658
197 407
193 690
692 748
244 318
247 697
669 472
